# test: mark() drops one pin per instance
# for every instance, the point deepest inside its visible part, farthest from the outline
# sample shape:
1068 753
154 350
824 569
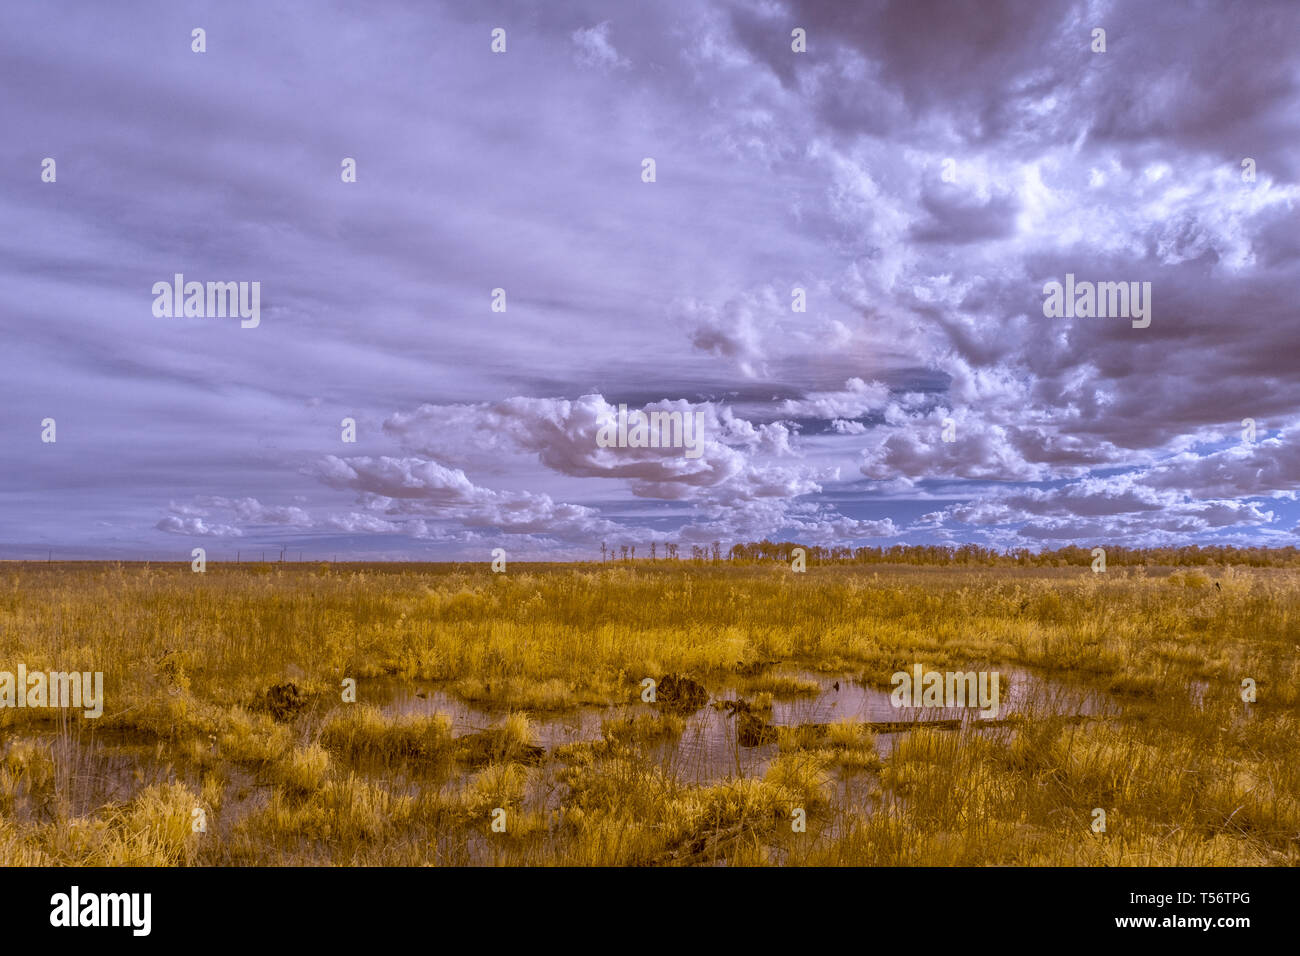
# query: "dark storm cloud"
1204 75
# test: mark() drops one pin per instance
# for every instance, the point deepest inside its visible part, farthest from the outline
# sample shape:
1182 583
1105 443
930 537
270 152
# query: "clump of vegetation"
509 740
361 731
304 770
284 701
783 685
155 828
676 692
848 745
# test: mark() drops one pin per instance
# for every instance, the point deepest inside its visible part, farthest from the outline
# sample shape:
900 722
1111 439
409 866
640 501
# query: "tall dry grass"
1188 775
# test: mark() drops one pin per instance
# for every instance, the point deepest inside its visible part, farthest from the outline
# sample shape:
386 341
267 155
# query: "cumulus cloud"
252 511
416 486
175 524
562 434
856 399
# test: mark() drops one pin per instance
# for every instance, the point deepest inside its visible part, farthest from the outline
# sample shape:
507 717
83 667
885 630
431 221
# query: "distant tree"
633 552
602 552
623 550
652 550
973 555
717 551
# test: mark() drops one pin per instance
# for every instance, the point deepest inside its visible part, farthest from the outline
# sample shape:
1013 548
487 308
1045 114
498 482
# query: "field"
502 719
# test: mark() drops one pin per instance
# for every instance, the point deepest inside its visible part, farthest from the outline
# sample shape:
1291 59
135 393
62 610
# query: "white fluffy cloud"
174 524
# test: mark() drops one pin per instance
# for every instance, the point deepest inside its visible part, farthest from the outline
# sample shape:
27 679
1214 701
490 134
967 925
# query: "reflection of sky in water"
708 748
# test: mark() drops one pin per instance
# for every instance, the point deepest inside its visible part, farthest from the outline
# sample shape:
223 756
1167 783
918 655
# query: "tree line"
755 552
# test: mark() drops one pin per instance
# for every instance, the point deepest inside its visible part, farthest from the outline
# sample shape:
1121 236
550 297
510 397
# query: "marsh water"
710 748
94 768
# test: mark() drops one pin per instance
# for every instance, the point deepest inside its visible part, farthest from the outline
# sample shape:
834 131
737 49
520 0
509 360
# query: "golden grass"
188 659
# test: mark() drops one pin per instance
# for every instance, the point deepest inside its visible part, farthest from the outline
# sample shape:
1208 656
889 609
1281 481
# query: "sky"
838 265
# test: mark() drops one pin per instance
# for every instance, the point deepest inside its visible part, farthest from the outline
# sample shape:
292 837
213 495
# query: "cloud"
561 433
416 486
954 216
855 400
252 511
821 171
595 49
174 524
